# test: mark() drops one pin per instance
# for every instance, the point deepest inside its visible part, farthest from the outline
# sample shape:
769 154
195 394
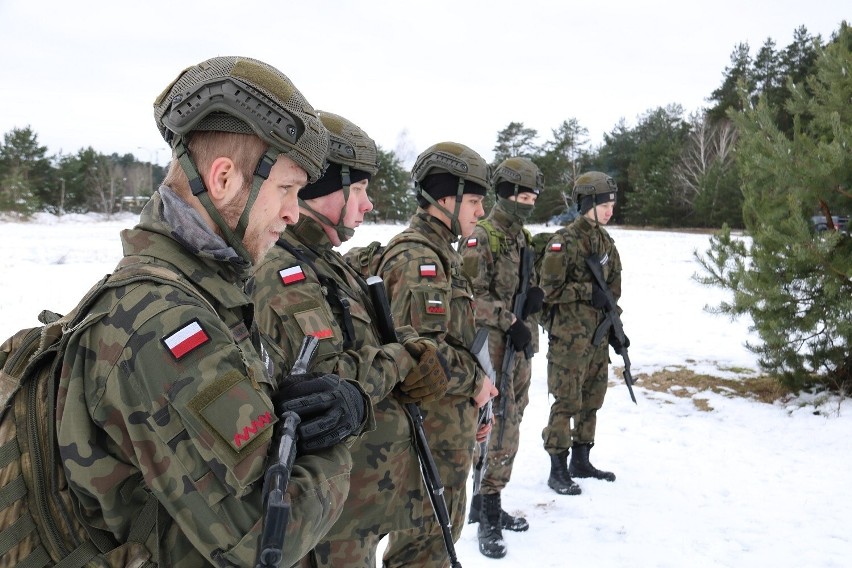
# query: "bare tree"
709 147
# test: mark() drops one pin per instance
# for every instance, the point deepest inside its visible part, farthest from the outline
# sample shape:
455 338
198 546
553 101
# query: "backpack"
39 524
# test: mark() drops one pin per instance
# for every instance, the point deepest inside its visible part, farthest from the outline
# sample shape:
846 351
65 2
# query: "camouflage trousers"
577 380
501 456
353 552
424 547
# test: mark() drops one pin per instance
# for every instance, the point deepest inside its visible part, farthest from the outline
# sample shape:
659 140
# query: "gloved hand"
520 335
616 345
430 378
331 409
598 296
535 300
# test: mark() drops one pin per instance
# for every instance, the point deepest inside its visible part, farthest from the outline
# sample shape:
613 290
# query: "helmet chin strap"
344 233
455 224
233 238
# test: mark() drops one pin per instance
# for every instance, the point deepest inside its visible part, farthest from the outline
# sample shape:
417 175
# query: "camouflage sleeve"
561 257
614 278
480 267
287 311
422 296
185 406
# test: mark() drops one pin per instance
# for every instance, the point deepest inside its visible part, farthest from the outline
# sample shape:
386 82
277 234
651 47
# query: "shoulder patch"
186 339
472 242
435 307
428 271
555 247
291 275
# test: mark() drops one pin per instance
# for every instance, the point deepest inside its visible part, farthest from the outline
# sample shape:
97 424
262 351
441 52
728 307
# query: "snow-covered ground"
745 484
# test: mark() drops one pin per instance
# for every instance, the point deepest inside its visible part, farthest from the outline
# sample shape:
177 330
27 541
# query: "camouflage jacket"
303 286
429 291
168 394
495 276
567 281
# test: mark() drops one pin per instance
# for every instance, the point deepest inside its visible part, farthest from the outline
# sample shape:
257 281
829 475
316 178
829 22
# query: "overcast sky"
409 72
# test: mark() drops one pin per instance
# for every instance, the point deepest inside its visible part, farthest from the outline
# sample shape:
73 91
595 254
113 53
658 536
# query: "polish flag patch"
472 242
186 339
428 271
323 333
291 275
435 307
556 247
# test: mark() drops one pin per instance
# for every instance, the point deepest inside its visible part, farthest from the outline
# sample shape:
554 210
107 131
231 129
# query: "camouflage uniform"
576 369
298 294
168 395
427 290
495 278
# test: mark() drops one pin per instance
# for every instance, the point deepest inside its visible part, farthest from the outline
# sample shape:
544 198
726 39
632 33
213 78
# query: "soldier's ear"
223 180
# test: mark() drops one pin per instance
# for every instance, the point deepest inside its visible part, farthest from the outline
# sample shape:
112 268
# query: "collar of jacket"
310 233
508 223
430 225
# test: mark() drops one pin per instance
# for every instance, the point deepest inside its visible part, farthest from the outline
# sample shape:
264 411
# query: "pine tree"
794 283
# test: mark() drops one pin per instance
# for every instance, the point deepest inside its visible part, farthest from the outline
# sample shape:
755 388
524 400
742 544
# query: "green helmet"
349 145
599 186
520 172
452 158
239 94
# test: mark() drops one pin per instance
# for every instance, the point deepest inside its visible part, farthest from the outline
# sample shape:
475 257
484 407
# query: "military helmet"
521 172
599 186
349 145
453 158
243 95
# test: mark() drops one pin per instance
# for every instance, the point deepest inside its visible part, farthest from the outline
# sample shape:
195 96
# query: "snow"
743 484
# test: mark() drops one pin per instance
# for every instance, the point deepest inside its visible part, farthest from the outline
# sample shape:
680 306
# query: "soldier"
305 287
168 400
429 291
577 369
492 255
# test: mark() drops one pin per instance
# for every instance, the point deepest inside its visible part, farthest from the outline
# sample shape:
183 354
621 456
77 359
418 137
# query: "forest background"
770 151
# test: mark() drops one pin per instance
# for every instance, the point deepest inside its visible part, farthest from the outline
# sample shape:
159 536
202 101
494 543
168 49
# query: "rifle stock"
611 322
428 468
276 510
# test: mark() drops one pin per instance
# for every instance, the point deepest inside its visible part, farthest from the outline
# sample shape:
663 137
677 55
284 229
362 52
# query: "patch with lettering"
428 271
472 242
314 322
291 275
435 307
186 339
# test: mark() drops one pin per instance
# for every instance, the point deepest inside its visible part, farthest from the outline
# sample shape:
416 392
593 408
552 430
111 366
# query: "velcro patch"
313 321
555 247
186 339
472 242
428 271
291 275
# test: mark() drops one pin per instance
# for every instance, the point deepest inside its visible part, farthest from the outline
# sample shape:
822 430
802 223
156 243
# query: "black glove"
598 296
520 335
331 409
616 344
535 300
429 379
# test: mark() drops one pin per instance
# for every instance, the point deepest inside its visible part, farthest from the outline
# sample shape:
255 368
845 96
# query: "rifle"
479 348
611 322
428 468
276 511
526 270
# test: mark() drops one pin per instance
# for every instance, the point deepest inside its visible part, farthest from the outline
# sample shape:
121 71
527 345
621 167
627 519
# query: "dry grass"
682 382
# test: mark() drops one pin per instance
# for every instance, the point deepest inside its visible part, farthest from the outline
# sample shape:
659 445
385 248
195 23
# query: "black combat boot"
581 467
559 480
490 534
508 522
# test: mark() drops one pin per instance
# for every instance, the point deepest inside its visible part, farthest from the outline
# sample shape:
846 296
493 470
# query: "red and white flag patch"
291 275
186 339
428 271
472 242
556 247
